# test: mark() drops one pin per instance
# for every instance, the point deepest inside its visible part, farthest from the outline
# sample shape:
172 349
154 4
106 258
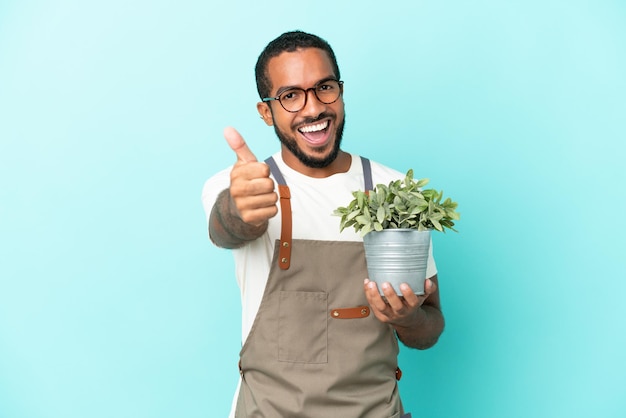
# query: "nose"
312 107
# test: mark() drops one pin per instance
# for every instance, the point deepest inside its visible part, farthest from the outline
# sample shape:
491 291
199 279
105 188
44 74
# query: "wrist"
416 321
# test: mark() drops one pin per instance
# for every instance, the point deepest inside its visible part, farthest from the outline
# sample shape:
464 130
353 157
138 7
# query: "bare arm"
226 228
417 319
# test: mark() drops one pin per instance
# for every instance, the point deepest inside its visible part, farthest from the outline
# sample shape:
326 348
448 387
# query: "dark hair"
288 42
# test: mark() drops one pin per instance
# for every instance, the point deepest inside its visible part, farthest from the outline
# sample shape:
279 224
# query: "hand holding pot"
401 311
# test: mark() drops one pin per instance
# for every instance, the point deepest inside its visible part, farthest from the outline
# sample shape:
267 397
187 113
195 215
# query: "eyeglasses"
294 99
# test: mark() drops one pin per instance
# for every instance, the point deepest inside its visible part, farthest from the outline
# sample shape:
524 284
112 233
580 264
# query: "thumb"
237 144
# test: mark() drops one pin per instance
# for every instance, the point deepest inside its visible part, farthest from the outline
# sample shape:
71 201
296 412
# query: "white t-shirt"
313 201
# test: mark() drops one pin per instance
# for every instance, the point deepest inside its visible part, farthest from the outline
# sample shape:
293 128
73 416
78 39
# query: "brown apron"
314 349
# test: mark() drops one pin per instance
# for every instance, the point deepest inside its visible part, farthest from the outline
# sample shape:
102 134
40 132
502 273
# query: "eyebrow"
286 88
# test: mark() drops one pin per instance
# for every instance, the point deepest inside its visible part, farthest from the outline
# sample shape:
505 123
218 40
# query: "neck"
341 164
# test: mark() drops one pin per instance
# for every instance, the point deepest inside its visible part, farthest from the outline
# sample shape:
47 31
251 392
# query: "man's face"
312 136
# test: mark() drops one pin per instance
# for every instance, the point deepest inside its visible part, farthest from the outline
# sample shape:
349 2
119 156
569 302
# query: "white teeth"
314 128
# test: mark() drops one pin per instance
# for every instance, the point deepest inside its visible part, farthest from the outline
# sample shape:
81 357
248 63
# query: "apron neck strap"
284 252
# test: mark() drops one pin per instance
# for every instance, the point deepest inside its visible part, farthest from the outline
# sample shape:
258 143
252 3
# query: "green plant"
401 204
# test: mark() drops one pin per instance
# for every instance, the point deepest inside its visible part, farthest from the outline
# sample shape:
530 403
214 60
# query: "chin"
320 158
327 152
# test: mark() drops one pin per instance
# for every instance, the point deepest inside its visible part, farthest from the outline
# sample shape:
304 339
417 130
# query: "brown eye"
291 96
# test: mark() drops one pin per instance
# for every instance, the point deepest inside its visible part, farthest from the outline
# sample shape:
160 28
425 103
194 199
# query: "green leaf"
380 214
352 215
360 199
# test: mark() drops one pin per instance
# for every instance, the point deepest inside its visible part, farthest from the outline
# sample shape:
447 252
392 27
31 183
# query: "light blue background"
113 303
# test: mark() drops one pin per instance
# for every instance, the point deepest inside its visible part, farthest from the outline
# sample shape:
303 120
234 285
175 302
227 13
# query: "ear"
266 113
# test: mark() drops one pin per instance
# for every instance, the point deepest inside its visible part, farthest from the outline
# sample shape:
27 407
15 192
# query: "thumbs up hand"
238 144
251 188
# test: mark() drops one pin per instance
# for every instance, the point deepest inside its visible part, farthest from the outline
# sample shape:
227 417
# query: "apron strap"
367 174
284 252
275 171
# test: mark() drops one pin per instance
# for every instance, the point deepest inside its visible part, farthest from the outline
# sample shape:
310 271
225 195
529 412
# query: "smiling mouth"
316 133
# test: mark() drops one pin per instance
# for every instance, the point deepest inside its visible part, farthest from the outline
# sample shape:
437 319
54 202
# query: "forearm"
226 228
425 333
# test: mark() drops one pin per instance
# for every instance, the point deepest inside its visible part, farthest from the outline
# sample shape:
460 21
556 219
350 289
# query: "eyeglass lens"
294 99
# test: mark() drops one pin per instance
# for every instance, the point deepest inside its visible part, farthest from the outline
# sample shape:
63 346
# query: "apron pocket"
303 327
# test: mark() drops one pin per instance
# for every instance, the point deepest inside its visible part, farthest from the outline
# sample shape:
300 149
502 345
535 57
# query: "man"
320 341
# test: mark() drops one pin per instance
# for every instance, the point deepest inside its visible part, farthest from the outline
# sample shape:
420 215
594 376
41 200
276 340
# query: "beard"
307 160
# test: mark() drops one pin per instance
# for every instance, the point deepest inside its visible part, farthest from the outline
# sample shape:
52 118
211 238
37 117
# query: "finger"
393 299
373 296
259 216
409 295
429 287
256 202
251 179
237 144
